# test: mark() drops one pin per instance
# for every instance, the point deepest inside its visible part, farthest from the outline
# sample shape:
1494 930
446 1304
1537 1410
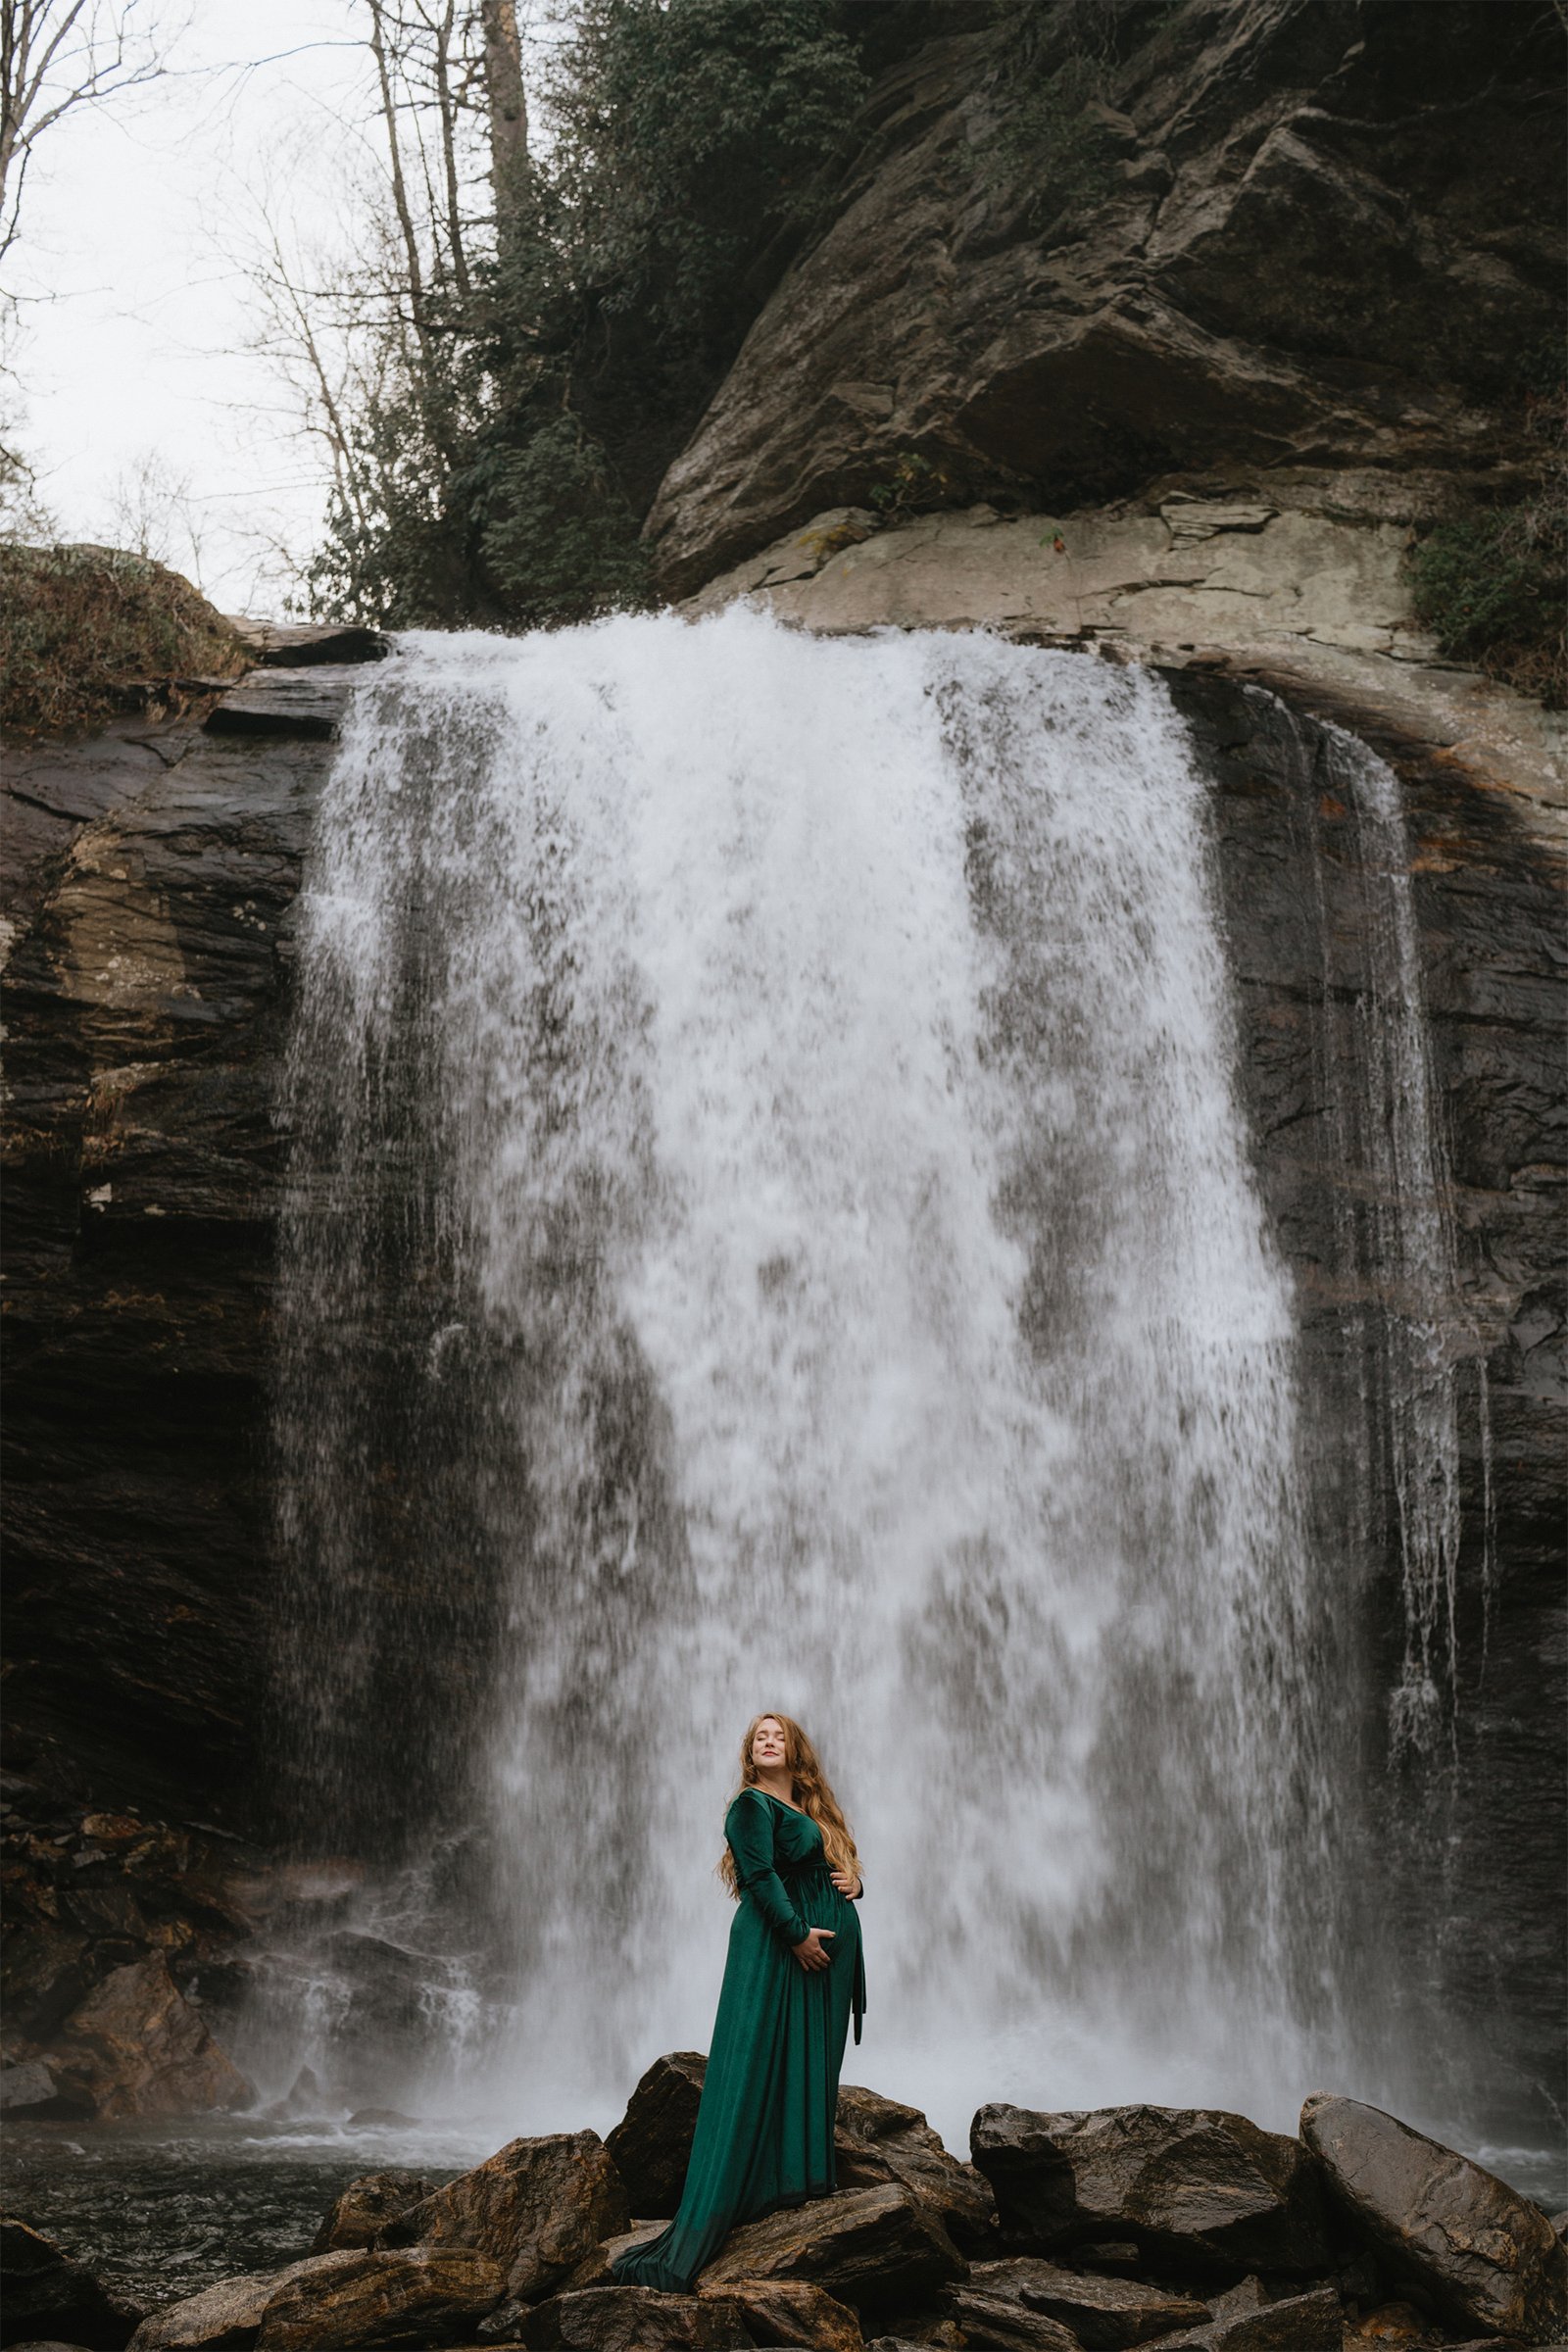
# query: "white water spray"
779 1095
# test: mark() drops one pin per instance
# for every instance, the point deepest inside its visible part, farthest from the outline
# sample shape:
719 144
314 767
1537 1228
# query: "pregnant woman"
765 2127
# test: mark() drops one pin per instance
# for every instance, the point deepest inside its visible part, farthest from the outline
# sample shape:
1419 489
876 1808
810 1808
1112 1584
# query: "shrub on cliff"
86 629
1489 583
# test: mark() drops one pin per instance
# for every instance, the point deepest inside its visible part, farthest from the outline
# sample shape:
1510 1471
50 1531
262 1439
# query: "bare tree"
151 512
508 107
59 55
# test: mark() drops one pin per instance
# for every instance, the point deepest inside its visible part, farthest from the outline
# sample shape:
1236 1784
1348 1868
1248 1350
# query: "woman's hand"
810 1954
846 1881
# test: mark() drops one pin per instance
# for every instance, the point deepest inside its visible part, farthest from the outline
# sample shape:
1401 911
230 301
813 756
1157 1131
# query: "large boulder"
407 2295
634 2319
874 2248
136 2047
368 2207
1198 2190
1103 2314
789 2311
1248 2320
652 2143
879 2140
43 2292
538 2207
226 2315
1485 2256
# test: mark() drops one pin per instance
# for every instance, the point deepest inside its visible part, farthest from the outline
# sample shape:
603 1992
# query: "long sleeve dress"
764 2125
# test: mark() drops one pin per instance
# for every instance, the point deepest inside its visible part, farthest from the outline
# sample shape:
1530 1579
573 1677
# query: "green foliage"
691 132
557 535
1489 583
1490 586
912 485
501 471
85 630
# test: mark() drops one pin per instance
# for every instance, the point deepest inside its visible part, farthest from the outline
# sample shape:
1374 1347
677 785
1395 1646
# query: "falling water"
773 1227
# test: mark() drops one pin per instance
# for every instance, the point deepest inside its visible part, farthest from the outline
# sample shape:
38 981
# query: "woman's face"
769 1746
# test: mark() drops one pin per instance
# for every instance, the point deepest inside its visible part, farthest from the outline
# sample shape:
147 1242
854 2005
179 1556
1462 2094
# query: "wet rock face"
633 2318
1201 2192
424 2295
1485 2255
146 1016
538 2207
136 2047
46 2294
1313 229
1103 2315
368 2207
1487 877
784 2311
873 2248
652 2144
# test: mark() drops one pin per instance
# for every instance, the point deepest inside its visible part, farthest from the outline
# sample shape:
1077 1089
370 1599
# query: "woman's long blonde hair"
810 1792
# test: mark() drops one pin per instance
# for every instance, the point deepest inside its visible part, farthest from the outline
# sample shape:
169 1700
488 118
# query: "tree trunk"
508 119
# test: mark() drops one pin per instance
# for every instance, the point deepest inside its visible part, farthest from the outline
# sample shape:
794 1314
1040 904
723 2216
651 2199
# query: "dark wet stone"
1104 2315
874 2248
653 2142
44 2293
634 2319
1485 2256
1200 2191
366 2208
538 2207
412 2295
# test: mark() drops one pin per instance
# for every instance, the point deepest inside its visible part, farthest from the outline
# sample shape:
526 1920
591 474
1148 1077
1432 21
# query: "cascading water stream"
773 1227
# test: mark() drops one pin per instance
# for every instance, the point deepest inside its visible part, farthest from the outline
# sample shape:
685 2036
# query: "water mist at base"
773 1227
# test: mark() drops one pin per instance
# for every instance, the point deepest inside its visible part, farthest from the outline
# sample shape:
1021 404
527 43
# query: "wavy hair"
811 1792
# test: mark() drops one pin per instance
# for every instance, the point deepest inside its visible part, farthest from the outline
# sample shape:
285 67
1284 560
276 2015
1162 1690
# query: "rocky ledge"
1290 234
1064 2232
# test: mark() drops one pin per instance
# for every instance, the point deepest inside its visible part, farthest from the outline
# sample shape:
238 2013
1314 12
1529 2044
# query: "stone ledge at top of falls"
1313 237
1304 589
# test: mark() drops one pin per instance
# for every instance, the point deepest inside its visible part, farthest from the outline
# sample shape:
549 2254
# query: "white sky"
135 323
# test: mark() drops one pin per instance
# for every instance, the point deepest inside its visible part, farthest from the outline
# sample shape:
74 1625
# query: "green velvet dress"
764 2126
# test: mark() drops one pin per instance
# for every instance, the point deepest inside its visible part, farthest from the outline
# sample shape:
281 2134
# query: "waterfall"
771 1226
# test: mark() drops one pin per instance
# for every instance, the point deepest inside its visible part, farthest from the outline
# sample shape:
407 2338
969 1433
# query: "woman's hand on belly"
846 1881
810 1954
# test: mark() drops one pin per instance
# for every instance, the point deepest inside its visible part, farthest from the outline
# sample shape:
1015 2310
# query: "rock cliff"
1321 233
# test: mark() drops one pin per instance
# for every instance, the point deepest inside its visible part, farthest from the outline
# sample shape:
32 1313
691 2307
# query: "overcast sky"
136 316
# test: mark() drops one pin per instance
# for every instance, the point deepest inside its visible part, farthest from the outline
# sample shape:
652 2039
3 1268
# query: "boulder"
405 2296
789 2311
136 2047
1105 2315
1309 2323
1199 2191
538 2207
635 2319
226 2315
367 2206
1003 2322
1487 2256
43 2292
29 2089
652 2141
594 2269
871 2247
879 2140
